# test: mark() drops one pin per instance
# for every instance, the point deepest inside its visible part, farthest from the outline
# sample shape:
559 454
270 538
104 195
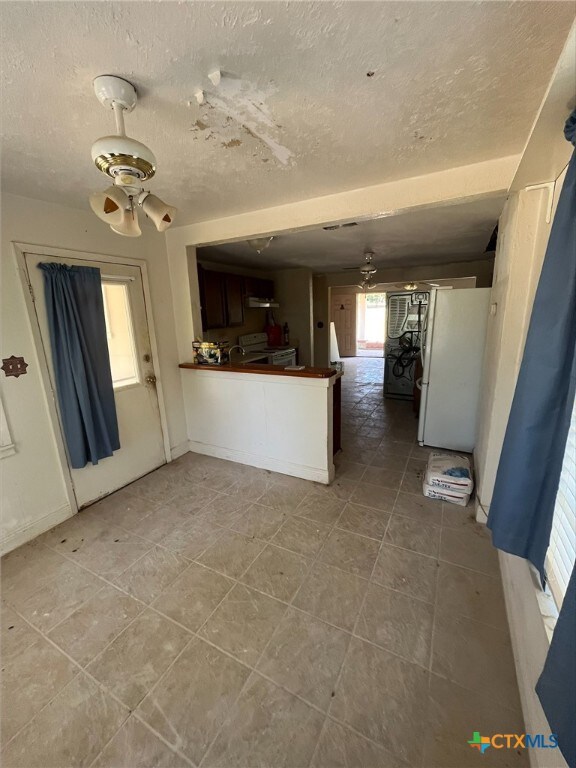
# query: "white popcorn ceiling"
296 114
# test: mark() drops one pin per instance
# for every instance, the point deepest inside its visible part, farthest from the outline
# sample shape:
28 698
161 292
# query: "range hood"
253 301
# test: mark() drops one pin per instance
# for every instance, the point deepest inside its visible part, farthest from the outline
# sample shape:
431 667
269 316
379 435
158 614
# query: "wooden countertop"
273 370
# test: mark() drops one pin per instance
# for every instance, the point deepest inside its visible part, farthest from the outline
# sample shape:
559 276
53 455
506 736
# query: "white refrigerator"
453 354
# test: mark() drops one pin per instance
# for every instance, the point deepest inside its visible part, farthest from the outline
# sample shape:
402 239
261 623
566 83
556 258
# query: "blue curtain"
81 362
556 687
531 460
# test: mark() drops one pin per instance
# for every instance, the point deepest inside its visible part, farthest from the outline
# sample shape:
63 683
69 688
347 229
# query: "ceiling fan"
413 286
367 271
129 163
368 267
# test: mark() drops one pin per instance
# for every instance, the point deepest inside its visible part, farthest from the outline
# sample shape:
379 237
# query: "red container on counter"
274 333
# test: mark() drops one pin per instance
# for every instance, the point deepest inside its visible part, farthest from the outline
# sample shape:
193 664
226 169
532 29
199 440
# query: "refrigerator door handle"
426 349
422 414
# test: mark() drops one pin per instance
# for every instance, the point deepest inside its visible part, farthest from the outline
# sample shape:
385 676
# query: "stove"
258 342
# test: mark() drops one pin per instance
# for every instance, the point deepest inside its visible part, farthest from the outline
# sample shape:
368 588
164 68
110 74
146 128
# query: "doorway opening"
370 324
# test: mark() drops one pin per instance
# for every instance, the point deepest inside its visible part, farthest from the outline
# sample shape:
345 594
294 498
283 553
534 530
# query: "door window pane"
120 334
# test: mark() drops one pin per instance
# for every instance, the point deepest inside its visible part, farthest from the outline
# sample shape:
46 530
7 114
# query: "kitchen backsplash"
254 321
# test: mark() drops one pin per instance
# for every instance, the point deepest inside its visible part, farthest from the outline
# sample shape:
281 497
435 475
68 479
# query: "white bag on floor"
445 494
449 471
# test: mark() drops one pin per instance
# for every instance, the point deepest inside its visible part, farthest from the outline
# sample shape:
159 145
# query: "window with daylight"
562 550
120 334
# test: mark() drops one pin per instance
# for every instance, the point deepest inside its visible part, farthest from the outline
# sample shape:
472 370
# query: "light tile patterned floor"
218 615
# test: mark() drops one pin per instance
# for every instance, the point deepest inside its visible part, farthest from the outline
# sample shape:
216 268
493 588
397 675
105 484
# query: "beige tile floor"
213 614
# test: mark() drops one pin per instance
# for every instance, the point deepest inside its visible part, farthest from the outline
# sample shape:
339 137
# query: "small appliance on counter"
210 352
273 330
276 354
274 335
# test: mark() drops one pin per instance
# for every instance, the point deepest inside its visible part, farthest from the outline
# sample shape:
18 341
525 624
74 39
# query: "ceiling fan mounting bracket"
110 89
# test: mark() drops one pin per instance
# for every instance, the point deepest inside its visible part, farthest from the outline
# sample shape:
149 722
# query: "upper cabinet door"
212 285
222 297
259 287
234 289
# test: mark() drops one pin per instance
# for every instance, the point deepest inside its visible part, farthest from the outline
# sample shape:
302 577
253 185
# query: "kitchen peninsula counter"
308 372
265 416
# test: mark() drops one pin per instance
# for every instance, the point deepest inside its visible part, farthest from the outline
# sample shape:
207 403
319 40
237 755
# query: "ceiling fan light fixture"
157 210
366 283
110 205
129 163
260 244
129 226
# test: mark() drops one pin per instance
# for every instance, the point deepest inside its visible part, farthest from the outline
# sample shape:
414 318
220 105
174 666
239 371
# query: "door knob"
150 379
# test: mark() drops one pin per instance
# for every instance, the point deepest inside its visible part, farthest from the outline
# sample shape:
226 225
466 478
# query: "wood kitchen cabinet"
234 300
259 287
221 299
212 299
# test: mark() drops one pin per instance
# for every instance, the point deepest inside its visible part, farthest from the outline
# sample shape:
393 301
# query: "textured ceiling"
295 115
429 236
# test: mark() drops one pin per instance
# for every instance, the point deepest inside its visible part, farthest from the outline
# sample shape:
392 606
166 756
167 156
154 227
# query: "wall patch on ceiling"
236 103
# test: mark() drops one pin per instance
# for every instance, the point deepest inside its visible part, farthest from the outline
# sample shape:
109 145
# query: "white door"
343 315
141 439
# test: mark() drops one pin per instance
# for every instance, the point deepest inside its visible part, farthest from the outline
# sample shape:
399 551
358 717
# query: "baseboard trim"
264 462
481 512
28 532
179 450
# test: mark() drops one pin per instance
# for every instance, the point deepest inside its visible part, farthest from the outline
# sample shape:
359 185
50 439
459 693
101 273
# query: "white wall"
293 289
468 182
31 506
321 317
523 235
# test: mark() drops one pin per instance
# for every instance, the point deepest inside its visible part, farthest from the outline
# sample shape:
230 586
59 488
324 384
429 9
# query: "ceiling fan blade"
358 269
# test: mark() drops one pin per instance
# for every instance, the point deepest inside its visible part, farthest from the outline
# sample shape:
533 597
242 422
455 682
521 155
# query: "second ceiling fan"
367 271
